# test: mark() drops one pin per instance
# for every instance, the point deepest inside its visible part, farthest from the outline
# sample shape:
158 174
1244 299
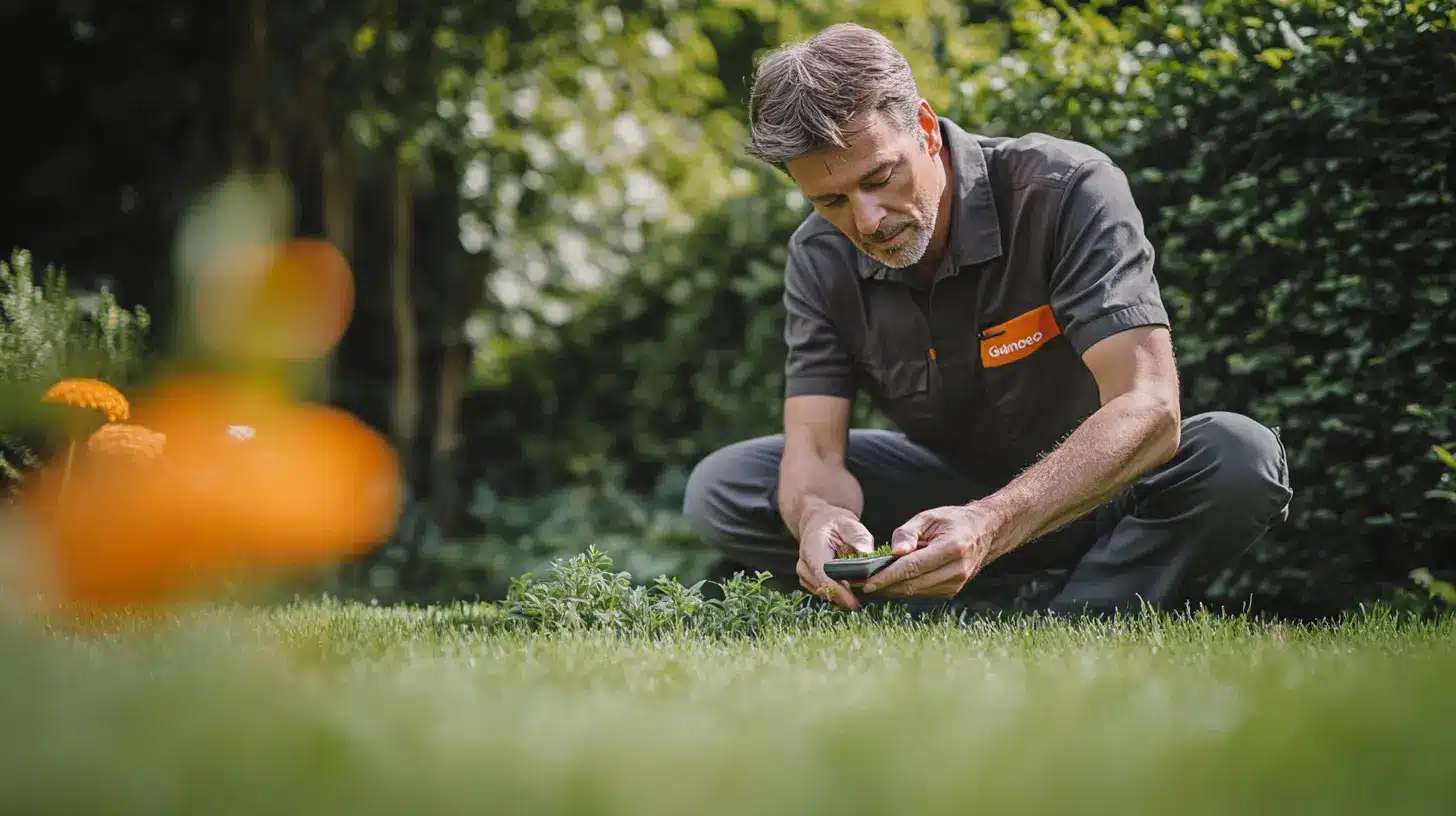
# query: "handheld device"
856 569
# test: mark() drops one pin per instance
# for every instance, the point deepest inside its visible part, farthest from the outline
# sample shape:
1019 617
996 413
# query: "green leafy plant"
52 330
1437 589
1449 460
49 331
583 592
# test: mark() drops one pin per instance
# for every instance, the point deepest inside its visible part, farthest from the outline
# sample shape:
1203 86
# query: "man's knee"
1240 465
702 491
732 484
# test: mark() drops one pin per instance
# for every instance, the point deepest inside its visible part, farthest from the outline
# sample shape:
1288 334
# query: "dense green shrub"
47 332
1294 161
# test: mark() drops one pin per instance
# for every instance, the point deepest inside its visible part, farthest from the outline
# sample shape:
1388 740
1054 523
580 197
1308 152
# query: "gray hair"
810 95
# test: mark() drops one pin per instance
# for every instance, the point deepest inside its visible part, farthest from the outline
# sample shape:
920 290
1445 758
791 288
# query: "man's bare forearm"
1124 439
810 484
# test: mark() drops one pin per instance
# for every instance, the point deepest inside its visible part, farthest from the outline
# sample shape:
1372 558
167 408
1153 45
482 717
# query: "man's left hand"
940 550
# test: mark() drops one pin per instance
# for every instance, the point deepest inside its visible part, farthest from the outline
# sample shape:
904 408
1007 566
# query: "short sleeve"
1102 279
817 363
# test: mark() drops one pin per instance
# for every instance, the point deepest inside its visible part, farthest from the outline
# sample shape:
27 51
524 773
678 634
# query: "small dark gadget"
856 569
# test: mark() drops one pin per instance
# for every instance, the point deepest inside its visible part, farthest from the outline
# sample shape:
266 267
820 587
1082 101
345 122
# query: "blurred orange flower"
306 486
95 395
290 301
131 442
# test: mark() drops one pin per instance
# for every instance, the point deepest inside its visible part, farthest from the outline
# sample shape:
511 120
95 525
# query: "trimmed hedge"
1295 164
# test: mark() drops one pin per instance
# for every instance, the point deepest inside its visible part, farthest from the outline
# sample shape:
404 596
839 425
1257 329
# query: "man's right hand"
829 531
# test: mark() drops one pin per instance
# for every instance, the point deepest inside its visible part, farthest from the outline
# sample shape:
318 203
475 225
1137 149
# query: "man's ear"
929 129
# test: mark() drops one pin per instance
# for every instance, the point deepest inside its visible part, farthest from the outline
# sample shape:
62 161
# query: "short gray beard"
915 252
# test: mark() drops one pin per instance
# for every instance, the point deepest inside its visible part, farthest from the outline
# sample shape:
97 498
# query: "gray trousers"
1219 494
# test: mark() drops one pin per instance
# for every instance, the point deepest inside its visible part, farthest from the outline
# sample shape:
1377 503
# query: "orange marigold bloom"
132 442
83 392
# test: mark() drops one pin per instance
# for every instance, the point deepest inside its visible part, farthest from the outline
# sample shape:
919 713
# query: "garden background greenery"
569 273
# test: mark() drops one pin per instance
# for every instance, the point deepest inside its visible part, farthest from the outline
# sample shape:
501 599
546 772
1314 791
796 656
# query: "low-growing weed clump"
583 592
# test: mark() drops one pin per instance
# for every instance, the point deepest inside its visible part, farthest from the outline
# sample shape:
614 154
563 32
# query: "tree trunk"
268 135
405 407
240 74
257 143
339 181
446 491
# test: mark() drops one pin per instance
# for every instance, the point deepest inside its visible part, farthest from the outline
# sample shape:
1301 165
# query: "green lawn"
630 706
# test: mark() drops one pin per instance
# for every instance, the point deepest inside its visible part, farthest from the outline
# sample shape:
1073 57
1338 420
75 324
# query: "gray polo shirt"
1046 257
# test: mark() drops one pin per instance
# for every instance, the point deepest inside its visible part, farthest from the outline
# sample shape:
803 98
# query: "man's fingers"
806 578
914 565
836 592
946 575
841 594
906 537
851 538
818 584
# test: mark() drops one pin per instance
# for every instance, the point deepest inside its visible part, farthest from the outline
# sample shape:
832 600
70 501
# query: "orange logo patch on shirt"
1018 337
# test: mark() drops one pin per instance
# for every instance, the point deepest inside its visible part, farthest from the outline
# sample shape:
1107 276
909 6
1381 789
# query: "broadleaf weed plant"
584 592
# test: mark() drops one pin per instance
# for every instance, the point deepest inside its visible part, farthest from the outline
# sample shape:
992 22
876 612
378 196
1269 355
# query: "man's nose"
867 214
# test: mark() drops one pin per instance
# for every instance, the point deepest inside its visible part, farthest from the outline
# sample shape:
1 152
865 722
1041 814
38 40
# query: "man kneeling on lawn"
995 298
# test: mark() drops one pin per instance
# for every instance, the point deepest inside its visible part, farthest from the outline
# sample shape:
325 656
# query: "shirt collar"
975 228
